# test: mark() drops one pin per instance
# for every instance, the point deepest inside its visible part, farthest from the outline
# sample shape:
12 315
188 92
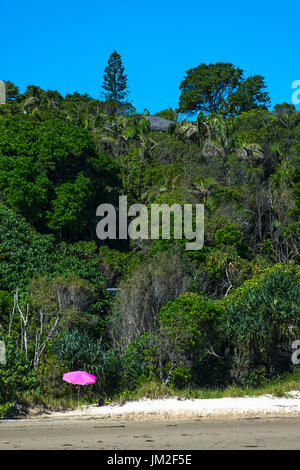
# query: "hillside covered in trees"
223 315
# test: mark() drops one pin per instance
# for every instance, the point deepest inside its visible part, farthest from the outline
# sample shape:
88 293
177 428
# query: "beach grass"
278 388
154 390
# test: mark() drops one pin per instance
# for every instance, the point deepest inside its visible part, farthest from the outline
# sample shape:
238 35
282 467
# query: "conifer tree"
115 83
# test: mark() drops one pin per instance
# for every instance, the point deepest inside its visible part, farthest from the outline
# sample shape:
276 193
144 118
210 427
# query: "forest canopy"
222 315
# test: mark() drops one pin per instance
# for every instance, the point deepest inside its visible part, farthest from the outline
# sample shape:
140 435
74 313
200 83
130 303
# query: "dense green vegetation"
220 318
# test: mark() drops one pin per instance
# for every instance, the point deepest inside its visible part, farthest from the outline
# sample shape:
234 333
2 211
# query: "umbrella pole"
78 394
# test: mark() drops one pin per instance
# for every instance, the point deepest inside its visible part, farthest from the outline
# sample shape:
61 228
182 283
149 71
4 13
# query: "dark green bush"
262 318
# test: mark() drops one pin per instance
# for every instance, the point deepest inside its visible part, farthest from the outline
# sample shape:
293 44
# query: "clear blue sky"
64 45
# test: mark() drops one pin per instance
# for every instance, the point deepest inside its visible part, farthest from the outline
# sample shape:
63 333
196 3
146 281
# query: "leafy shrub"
189 336
261 319
228 235
16 375
79 351
136 361
5 409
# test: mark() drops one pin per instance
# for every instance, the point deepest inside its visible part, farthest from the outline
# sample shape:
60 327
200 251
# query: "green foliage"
79 351
60 157
261 319
220 87
192 316
189 336
116 264
135 360
229 235
70 205
6 305
12 91
24 252
50 172
170 113
5 409
16 375
115 82
249 95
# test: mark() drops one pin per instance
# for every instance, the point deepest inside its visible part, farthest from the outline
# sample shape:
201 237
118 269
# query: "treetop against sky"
65 45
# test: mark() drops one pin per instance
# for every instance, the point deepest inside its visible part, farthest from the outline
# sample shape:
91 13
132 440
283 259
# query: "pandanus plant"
214 131
128 131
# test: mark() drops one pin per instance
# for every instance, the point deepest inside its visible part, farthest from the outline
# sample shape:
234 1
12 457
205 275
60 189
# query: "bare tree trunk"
229 282
23 322
40 347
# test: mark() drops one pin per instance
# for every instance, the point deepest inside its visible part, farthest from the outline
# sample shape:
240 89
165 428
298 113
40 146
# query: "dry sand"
226 423
187 409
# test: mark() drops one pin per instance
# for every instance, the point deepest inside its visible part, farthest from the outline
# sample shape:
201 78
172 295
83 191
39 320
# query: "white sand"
182 409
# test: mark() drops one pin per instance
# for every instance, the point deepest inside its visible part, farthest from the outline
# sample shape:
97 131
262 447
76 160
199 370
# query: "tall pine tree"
115 83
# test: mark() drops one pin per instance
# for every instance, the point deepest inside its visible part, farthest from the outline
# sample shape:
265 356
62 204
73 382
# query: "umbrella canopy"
79 377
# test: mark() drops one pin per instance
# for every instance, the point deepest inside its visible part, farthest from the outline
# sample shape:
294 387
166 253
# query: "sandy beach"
94 434
226 423
180 409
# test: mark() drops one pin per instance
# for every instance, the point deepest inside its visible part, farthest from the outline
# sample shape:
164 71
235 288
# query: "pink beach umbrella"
79 377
